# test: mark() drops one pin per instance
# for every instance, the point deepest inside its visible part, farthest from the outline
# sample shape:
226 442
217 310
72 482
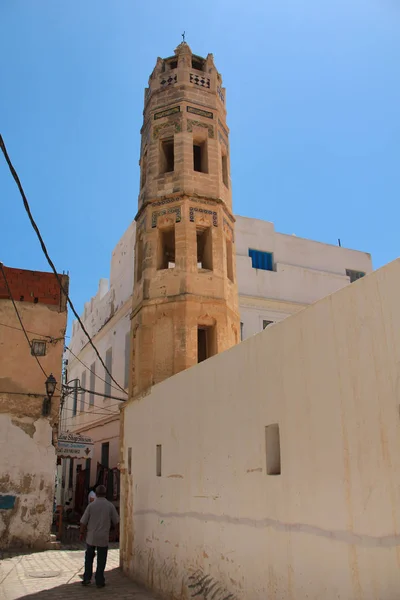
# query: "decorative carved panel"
175 126
173 210
198 111
200 80
191 123
193 209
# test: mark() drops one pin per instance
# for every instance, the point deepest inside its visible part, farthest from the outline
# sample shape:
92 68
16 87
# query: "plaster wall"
297 251
27 467
27 452
214 523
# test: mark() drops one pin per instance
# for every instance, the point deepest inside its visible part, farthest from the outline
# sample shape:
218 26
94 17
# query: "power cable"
52 339
68 390
44 249
19 318
32 395
87 412
82 390
106 408
89 369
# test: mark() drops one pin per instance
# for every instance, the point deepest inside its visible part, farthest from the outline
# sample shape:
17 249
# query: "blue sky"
313 97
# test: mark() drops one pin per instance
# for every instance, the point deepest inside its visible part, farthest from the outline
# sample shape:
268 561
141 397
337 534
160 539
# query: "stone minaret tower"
185 300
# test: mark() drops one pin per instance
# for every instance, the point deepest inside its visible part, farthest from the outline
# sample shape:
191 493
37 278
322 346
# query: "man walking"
95 523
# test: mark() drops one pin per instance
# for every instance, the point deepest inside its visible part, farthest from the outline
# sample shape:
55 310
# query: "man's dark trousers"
101 563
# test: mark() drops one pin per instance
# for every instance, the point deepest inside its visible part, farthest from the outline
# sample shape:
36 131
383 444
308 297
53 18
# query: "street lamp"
50 389
50 385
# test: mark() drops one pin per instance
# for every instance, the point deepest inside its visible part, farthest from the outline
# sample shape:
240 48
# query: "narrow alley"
55 575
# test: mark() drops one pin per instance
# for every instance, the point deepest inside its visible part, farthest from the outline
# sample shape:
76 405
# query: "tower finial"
183 36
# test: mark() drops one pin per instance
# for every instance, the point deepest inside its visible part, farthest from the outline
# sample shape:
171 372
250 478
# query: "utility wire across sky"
45 252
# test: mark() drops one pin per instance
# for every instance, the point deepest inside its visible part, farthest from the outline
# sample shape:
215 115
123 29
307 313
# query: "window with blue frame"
261 260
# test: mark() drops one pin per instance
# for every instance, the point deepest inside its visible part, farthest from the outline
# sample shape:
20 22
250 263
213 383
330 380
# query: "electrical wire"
20 320
87 412
106 408
80 390
32 395
89 369
52 339
90 412
45 252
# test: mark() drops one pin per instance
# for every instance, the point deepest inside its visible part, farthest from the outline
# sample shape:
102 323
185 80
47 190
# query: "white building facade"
278 275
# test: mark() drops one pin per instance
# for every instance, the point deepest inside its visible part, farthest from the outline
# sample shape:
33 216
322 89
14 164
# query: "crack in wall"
346 537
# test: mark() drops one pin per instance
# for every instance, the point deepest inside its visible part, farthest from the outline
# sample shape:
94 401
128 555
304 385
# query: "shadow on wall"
205 586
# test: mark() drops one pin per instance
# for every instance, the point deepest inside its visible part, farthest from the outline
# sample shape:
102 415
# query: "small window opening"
197 64
225 170
354 275
127 358
107 379
139 259
92 383
83 398
166 249
261 260
38 348
105 454
200 159
273 449
173 64
241 331
129 461
204 248
167 158
266 323
229 260
158 459
206 346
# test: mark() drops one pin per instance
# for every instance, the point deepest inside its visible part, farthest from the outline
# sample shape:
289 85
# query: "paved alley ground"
54 575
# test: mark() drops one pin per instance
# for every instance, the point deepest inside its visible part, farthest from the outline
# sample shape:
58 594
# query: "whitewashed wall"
215 524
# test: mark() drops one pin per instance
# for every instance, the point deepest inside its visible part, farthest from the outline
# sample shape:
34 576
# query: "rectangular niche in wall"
158 459
229 260
166 249
273 449
204 248
200 157
206 342
129 461
139 258
167 156
225 170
